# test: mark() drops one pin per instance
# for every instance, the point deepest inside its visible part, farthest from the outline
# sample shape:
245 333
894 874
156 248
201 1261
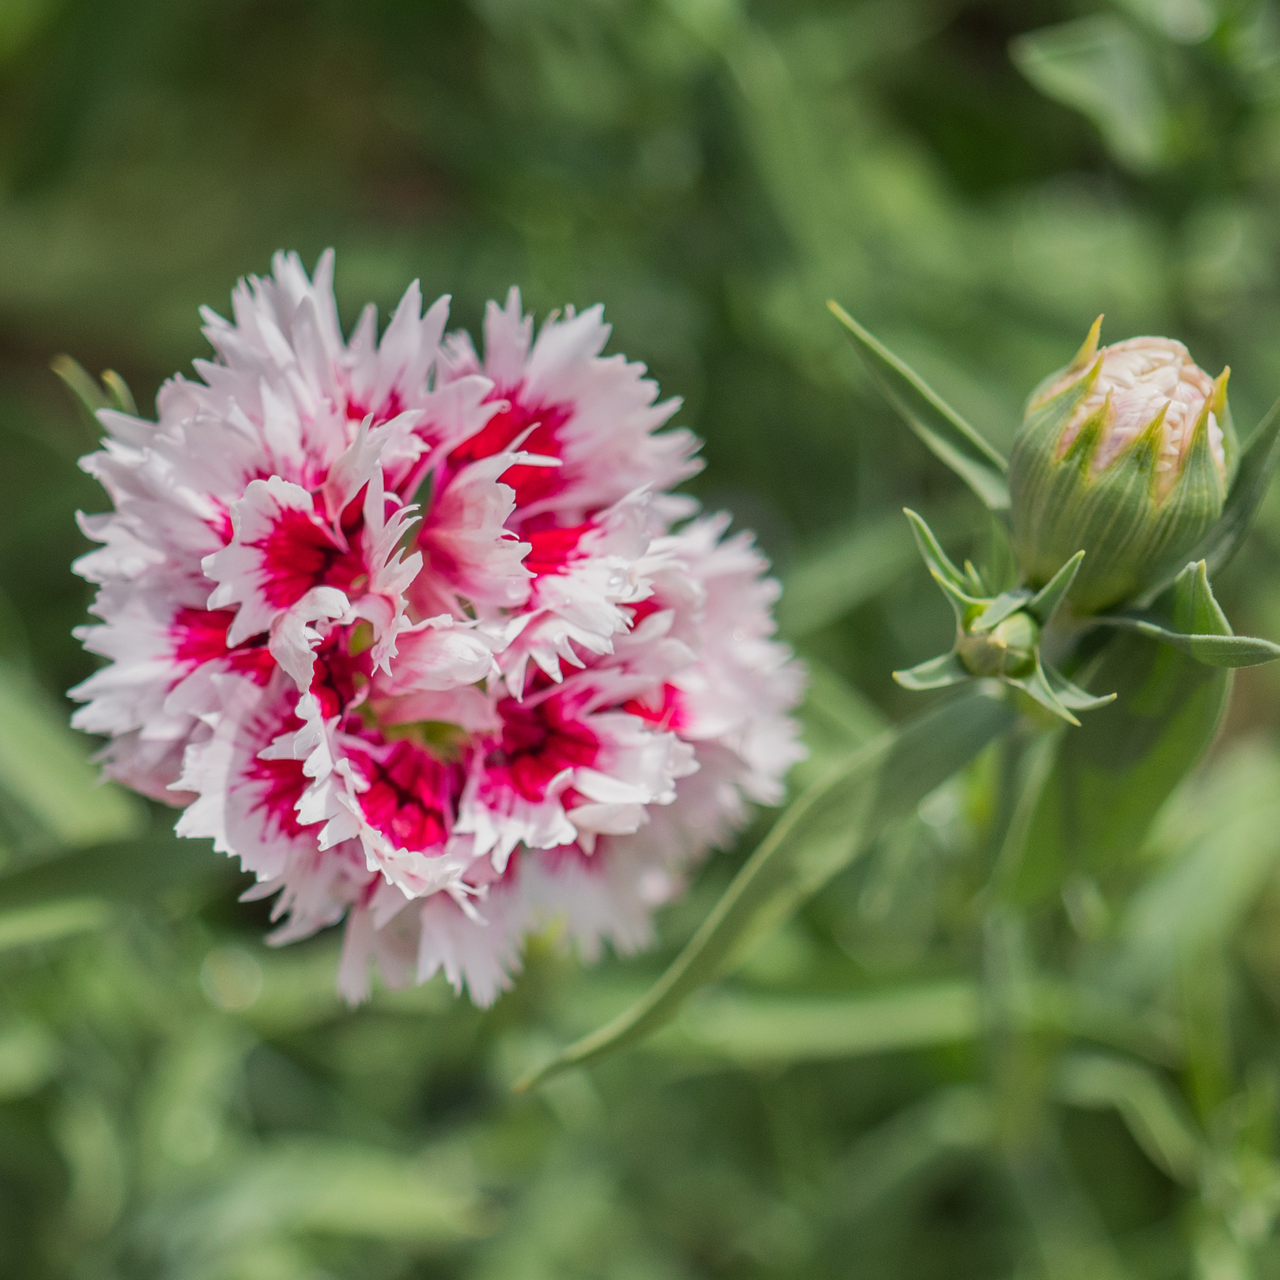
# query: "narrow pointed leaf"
1037 686
119 395
819 834
1071 696
81 385
762 1029
1213 651
933 555
1045 602
1003 606
135 870
1217 854
51 921
1196 611
836 721
829 581
961 601
1211 641
45 771
942 429
1154 1114
1115 772
937 673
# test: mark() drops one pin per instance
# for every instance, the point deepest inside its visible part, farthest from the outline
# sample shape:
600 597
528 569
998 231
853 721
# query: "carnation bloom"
420 635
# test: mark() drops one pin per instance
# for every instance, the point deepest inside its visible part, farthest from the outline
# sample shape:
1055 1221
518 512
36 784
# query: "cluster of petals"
422 636
1142 380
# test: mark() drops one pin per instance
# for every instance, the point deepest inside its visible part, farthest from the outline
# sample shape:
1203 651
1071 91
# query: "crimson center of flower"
537 744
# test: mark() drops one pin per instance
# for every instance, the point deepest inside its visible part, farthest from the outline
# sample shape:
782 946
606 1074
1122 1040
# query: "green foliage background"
898 1082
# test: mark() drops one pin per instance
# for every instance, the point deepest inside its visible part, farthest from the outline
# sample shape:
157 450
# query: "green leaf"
942 429
836 719
1102 68
51 921
1044 604
935 558
1005 605
1213 651
958 587
936 673
1220 847
758 1029
761 1030
45 770
333 1188
1196 610
29 1057
1154 1114
1211 641
1053 691
81 384
123 871
976 616
1114 772
819 834
1069 695
1039 687
974 579
855 566
118 393
847 572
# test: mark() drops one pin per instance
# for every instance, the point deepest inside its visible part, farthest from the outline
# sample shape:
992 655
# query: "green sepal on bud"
998 636
1128 454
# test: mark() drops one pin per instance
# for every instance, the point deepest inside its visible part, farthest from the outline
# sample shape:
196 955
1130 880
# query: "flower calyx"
998 636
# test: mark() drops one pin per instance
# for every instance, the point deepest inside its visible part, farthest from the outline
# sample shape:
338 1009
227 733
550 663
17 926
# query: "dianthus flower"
420 635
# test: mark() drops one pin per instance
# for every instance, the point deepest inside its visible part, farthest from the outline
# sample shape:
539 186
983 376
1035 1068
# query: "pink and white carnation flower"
422 636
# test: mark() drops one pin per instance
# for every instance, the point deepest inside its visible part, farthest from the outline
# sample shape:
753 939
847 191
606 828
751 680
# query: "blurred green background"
974 181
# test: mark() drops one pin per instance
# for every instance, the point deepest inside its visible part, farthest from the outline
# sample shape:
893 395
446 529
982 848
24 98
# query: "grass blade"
45 770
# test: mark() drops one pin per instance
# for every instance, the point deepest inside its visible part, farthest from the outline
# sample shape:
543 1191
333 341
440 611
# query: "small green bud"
1127 455
1009 649
998 635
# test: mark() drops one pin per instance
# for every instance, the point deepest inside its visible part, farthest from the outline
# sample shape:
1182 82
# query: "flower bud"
1126 454
1009 649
